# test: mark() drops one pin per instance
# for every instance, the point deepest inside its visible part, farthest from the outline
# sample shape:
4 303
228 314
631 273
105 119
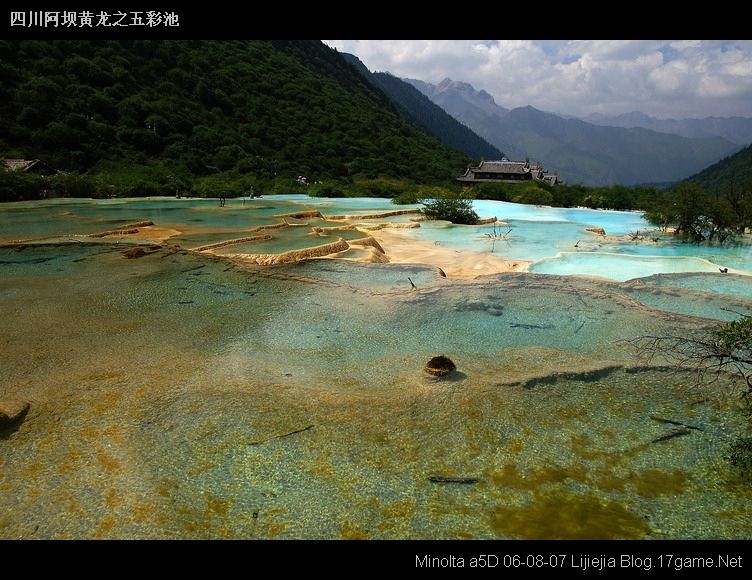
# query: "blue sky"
663 78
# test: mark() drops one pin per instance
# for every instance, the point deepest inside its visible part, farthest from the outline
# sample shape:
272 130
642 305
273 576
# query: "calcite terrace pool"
201 394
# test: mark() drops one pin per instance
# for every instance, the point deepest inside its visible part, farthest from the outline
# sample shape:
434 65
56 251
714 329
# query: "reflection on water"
180 396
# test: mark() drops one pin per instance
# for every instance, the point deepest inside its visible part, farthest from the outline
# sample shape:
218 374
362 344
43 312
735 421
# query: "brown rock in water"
12 411
441 272
599 231
440 365
134 253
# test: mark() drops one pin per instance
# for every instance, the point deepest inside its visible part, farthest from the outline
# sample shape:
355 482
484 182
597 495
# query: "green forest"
733 172
156 117
713 205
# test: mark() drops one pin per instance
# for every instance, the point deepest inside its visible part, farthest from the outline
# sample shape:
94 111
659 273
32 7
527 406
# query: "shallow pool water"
62 216
727 284
175 396
557 241
180 395
619 266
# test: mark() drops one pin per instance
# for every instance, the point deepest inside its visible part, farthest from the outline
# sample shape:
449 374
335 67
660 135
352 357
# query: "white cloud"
578 77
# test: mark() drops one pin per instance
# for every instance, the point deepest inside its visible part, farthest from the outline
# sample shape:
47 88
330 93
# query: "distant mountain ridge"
735 129
431 117
580 151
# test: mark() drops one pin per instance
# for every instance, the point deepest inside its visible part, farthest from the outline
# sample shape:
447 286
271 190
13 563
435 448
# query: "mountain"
735 129
451 94
580 151
420 109
267 108
732 172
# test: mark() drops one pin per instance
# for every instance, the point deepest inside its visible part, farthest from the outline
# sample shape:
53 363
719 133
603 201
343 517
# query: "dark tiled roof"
502 167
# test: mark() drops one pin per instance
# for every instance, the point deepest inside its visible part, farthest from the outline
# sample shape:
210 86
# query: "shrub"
453 207
405 198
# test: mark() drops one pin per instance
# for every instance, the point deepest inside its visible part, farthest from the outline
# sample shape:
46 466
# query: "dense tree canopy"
734 173
701 216
262 108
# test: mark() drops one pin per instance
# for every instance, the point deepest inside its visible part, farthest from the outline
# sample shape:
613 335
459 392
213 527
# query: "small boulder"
599 231
440 365
12 411
134 253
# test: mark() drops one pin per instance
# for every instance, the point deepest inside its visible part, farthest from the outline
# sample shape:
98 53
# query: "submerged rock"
451 479
468 305
599 231
134 253
12 411
440 366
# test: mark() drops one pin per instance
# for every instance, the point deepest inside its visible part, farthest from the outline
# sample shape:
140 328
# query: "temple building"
34 166
507 172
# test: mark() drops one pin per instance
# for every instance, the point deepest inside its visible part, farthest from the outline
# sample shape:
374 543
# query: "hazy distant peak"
529 109
485 96
735 129
449 85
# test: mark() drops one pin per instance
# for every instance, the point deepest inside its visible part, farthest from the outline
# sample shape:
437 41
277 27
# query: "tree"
531 194
698 215
453 207
17 185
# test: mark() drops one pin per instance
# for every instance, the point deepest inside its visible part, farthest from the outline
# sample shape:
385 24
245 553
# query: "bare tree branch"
723 353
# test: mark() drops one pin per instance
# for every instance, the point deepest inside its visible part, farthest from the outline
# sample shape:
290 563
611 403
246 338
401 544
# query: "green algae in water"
569 516
511 477
656 482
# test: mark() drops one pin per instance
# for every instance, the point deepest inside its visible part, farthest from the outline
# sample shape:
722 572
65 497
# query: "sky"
662 78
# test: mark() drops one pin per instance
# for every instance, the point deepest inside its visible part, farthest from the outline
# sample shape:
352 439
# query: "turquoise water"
545 235
619 266
185 396
177 396
55 217
548 236
727 284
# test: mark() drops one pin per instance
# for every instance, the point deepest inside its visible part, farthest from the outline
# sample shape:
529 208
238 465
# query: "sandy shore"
404 249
